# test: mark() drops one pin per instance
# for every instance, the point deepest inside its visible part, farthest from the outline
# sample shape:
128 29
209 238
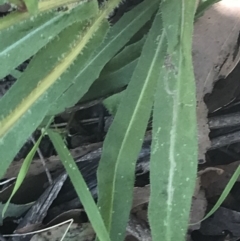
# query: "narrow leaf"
173 163
223 196
116 74
112 83
112 102
80 186
119 35
25 105
23 172
127 55
24 39
44 6
125 136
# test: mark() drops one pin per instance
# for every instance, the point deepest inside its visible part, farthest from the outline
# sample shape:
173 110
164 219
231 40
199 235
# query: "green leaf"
112 102
126 56
16 73
119 35
116 172
223 196
21 41
17 16
173 164
23 172
80 186
32 6
114 82
116 74
25 105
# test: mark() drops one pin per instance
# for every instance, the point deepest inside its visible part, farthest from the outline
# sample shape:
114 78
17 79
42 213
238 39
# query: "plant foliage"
143 62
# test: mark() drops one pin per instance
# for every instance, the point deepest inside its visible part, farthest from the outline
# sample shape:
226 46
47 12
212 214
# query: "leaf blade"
80 186
174 145
125 136
118 36
23 40
116 74
22 172
34 97
32 6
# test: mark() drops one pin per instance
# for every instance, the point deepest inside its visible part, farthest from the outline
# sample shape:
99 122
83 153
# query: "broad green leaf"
118 36
25 105
24 39
32 6
80 186
23 172
125 136
173 164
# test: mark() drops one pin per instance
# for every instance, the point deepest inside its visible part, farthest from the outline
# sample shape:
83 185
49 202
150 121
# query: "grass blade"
23 172
223 196
80 186
125 136
173 164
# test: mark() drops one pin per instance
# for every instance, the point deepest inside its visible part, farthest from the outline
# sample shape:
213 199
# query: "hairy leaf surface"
22 40
119 35
25 105
173 163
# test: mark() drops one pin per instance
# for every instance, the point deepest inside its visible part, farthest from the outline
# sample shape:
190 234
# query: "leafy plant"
75 55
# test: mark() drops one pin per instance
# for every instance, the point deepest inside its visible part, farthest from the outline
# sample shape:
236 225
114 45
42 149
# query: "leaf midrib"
131 123
48 81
